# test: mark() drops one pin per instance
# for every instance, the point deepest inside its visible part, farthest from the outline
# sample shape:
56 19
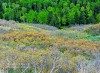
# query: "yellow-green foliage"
93 29
26 27
42 40
70 33
22 27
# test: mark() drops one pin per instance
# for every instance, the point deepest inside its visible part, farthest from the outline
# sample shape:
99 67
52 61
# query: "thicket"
52 12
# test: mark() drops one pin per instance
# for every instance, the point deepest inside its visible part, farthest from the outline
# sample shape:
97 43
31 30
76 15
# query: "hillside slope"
26 48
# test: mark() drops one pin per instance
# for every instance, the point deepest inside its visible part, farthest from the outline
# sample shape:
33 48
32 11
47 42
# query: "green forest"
52 12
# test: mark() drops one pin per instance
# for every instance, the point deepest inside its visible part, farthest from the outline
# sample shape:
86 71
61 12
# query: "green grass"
93 38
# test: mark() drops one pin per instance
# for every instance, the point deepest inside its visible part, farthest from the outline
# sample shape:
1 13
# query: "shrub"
93 29
42 40
70 33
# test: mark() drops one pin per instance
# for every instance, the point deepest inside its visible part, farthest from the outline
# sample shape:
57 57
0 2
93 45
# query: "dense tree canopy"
52 12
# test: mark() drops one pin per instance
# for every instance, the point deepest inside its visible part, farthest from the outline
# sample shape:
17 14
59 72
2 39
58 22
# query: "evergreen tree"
31 16
82 16
42 17
98 18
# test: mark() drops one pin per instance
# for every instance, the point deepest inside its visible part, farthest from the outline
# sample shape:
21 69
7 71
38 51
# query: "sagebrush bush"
42 40
29 49
93 29
70 33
